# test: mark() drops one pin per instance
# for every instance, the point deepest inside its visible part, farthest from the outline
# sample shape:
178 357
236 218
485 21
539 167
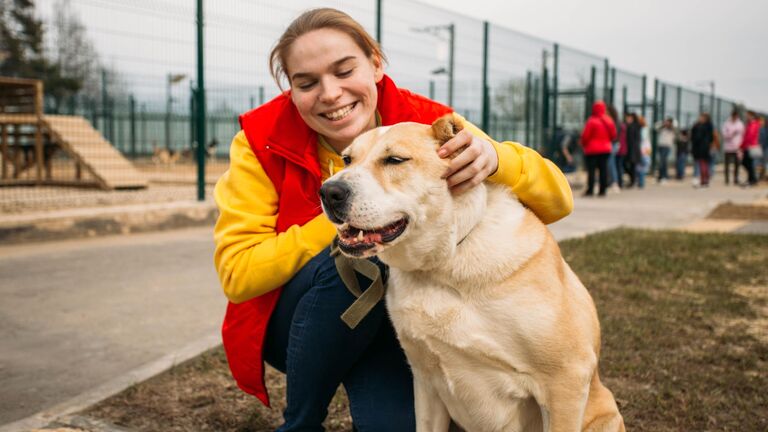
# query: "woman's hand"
475 163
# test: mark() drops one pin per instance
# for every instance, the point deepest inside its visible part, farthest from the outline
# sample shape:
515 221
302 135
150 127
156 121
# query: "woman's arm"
251 257
536 181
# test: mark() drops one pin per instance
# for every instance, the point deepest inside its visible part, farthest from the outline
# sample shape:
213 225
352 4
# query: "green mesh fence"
140 69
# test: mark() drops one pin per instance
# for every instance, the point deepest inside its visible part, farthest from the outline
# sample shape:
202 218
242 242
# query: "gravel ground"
18 200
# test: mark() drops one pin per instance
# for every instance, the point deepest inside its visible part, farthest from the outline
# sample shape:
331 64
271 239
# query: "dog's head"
391 188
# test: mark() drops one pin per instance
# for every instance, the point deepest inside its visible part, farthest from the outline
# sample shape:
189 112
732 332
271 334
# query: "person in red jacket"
599 133
272 239
750 147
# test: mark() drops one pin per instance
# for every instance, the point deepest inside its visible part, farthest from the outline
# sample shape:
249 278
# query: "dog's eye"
394 160
347 160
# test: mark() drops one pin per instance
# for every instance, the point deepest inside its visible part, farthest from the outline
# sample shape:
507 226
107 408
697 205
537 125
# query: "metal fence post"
654 134
261 95
451 62
112 122
544 128
132 128
613 87
486 103
606 72
378 22
624 105
719 110
590 92
432 89
192 113
678 109
104 101
528 104
200 106
555 72
643 97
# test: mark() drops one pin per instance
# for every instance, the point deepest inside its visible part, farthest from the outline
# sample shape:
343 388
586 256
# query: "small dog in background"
163 156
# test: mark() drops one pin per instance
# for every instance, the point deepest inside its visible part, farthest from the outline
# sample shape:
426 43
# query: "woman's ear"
378 68
446 127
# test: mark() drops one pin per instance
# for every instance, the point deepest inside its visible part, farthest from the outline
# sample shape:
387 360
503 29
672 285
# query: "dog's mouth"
356 241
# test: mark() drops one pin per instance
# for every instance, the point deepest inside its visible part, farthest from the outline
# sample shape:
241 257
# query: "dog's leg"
565 405
431 413
602 413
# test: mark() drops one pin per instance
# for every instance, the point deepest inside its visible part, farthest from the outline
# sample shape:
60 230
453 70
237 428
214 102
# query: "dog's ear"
446 127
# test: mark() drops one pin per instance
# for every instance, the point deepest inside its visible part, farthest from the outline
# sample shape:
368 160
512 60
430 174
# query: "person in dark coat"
634 154
682 149
702 135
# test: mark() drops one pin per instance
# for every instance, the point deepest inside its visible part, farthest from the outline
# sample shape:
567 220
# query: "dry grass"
730 210
684 347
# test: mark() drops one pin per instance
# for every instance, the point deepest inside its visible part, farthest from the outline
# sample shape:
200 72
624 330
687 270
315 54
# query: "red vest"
287 150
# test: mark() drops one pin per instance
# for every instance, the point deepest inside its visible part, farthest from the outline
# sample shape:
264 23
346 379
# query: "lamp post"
711 85
438 32
171 79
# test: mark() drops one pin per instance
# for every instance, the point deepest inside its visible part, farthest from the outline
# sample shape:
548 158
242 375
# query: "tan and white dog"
501 335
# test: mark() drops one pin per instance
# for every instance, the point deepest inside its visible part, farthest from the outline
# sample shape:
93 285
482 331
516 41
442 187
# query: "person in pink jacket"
750 147
596 139
733 134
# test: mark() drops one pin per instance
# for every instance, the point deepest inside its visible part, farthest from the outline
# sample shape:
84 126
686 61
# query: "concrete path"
77 314
83 319
671 205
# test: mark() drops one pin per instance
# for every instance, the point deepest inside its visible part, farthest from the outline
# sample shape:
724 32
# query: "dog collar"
367 299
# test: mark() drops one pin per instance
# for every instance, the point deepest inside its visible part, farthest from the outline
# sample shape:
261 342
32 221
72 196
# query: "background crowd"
617 152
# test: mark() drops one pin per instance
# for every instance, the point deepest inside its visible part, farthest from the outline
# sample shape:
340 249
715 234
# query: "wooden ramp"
93 152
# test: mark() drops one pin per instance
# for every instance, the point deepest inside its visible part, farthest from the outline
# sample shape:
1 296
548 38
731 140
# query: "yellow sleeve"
537 182
250 257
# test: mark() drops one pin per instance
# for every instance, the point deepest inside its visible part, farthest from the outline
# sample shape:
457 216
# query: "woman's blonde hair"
316 19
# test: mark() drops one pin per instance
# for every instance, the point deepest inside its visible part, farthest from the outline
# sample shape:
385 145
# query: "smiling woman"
272 240
335 96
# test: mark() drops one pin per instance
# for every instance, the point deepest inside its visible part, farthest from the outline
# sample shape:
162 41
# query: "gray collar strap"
366 299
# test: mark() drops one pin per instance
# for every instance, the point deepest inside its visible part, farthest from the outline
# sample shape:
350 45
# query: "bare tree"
74 55
509 99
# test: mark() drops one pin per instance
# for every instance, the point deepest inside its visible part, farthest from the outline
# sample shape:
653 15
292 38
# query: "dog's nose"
335 196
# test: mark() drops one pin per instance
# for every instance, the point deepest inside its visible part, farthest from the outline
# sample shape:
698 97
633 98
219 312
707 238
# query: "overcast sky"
682 41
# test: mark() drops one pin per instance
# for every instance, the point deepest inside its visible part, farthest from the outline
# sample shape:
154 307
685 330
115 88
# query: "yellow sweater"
252 259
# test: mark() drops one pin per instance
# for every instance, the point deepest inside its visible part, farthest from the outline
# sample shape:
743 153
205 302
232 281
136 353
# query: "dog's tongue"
361 236
371 237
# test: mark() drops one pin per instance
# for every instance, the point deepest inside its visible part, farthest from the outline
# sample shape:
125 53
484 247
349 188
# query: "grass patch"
685 343
679 350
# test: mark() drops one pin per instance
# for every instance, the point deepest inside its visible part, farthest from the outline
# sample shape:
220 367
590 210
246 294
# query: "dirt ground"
740 211
684 321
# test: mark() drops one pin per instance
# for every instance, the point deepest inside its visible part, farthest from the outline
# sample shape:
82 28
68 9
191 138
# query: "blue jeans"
619 167
682 158
663 158
308 341
613 173
640 171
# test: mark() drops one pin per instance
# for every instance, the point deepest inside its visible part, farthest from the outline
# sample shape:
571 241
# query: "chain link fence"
136 116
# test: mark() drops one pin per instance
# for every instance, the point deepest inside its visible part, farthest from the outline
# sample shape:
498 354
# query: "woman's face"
333 85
